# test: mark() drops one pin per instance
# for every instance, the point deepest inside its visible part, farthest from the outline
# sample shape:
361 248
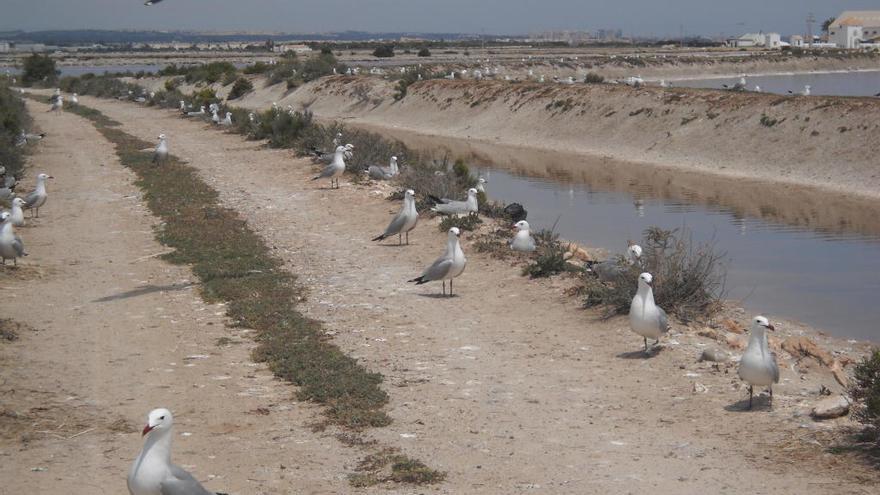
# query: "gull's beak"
51 177
771 327
147 429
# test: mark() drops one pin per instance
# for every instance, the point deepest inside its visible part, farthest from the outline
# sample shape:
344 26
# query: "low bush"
241 87
39 69
865 392
468 222
550 258
13 119
424 52
257 68
688 277
593 78
384 51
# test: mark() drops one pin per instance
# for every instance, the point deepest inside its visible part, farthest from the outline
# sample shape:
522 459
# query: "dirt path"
117 333
509 386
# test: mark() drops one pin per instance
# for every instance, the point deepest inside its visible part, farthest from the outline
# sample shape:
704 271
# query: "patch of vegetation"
410 77
209 73
13 119
390 466
235 266
424 52
39 69
10 329
767 121
865 392
384 51
241 87
551 256
468 222
688 277
593 78
257 68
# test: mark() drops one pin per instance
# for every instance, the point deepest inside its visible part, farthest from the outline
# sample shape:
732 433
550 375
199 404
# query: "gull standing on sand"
28 137
161 153
228 120
805 92
404 221
758 365
37 198
16 214
481 185
384 173
74 99
214 117
335 168
646 318
58 104
523 240
195 114
610 269
11 246
447 206
152 473
448 266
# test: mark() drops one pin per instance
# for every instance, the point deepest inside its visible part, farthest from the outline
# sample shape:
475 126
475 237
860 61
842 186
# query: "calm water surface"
856 83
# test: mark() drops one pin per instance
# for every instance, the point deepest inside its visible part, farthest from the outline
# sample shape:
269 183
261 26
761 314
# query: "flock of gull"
153 473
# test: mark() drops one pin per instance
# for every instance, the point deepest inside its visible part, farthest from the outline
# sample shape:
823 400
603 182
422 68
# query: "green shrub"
39 69
865 392
13 119
204 97
424 52
257 68
551 256
173 83
241 87
384 51
593 78
467 222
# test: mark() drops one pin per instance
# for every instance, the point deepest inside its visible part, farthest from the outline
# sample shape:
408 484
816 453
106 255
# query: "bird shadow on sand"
438 296
144 290
397 245
651 354
759 403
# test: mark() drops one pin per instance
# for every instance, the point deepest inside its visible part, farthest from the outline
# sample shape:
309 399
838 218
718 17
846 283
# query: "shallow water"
854 83
793 252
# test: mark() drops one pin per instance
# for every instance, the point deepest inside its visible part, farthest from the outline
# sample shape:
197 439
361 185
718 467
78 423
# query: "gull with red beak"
522 241
448 266
37 198
758 365
646 318
152 472
405 221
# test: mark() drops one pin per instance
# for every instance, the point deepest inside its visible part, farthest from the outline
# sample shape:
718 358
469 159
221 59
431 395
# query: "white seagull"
404 221
335 168
448 266
481 185
152 473
646 318
610 269
58 104
228 120
758 365
16 213
11 246
161 153
450 207
37 198
384 173
74 99
523 240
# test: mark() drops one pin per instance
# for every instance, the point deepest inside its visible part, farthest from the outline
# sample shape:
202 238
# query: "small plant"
424 52
593 78
767 121
384 51
551 256
39 69
173 83
467 222
865 392
388 465
241 87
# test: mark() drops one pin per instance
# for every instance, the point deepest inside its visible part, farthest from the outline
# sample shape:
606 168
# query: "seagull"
646 318
228 120
448 266
182 107
404 221
11 246
447 206
610 269
523 240
16 214
805 92
335 168
384 173
758 365
152 473
757 89
74 99
37 198
337 140
319 156
161 153
481 185
27 137
200 112
214 117
151 2
58 104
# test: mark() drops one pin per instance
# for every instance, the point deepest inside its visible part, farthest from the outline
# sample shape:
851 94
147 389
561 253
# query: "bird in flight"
152 2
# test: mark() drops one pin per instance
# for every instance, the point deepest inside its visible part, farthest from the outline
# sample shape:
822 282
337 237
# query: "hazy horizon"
695 17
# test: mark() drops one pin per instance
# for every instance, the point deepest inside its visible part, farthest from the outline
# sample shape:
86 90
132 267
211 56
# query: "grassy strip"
236 267
390 466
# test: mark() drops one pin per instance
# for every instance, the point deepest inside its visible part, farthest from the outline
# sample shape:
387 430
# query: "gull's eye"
161 417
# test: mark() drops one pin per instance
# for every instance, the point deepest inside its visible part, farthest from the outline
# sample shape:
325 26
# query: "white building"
796 41
298 49
852 26
765 40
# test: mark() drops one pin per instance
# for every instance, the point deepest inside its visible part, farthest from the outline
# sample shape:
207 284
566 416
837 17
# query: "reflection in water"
794 252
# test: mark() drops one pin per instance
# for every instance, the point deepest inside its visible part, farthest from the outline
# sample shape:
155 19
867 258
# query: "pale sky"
641 17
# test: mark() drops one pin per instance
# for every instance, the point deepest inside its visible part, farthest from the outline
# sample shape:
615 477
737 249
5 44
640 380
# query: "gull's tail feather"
435 199
419 280
380 238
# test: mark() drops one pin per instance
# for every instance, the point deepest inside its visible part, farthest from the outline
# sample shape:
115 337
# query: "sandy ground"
117 333
509 387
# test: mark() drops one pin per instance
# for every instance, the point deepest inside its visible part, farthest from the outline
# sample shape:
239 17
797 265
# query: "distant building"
764 40
796 41
852 27
4 47
284 48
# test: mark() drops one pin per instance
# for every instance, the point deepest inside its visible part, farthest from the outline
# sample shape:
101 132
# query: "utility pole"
810 20
681 34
